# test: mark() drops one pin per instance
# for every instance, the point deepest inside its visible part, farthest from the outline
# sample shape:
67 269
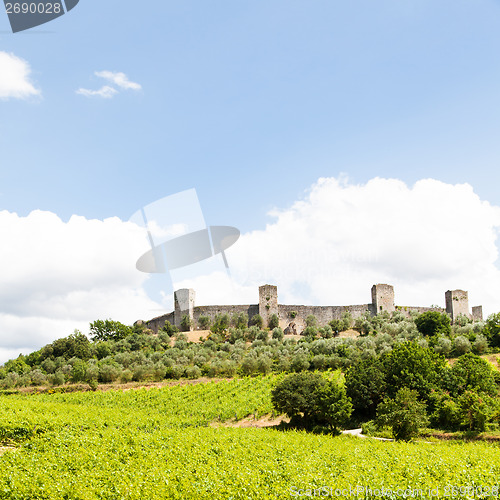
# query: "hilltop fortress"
457 304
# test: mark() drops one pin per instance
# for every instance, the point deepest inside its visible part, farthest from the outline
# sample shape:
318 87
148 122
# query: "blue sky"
250 103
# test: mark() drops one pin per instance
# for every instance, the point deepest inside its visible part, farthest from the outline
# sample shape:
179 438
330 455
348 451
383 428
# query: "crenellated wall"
382 300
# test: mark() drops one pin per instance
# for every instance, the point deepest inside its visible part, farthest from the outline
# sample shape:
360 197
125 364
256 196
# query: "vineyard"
157 443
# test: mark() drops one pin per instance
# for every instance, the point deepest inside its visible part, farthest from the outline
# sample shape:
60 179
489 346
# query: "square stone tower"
383 298
477 313
184 304
268 302
457 303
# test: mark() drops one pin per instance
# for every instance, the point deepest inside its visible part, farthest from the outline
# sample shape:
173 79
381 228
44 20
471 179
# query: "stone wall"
382 300
323 314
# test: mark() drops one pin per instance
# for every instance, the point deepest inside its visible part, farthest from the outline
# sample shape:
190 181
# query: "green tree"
366 386
311 320
169 329
471 372
492 329
404 414
204 322
273 322
186 323
240 320
415 367
17 365
333 406
310 399
432 323
109 330
257 321
476 409
220 323
295 395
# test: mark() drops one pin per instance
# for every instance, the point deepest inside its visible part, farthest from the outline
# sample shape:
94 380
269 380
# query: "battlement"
294 317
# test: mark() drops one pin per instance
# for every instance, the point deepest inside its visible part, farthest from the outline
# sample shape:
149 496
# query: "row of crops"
157 444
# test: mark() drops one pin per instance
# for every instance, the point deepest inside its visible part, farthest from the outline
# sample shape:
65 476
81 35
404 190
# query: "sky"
351 143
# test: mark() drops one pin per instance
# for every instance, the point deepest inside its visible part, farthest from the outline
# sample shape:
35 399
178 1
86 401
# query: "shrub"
273 322
471 372
476 409
126 376
37 377
461 345
204 322
432 323
169 329
404 414
186 323
365 385
278 333
108 330
492 329
220 323
193 372
257 321
443 345
480 345
311 321
309 399
326 332
240 320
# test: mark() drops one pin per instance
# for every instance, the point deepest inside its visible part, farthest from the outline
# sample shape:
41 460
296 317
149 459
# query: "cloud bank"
108 91
331 246
15 78
328 248
59 276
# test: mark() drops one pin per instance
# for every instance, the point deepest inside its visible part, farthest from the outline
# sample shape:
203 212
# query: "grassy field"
158 443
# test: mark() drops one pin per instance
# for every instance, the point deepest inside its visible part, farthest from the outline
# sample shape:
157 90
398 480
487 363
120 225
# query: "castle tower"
457 303
383 298
268 302
477 313
184 304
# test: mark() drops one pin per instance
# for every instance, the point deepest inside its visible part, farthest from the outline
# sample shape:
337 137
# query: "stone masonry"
382 295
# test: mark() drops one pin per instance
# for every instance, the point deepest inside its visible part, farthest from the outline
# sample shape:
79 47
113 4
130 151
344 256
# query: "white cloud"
105 92
328 248
15 78
117 79
332 246
60 276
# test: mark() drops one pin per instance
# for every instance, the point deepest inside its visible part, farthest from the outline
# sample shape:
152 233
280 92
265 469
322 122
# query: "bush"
108 330
492 329
471 372
311 321
461 345
432 323
169 329
404 414
365 385
273 322
193 372
240 320
204 322
443 345
220 324
309 399
278 334
476 409
415 367
186 323
257 321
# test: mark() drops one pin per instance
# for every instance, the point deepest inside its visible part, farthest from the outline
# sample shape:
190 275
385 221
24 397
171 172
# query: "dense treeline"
393 353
